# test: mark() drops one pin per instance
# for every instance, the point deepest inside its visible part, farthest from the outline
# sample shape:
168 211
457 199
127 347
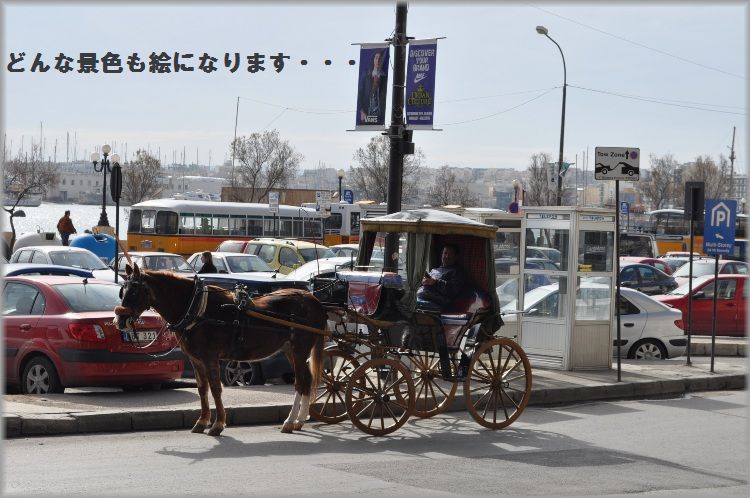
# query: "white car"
76 257
323 267
233 262
649 329
349 250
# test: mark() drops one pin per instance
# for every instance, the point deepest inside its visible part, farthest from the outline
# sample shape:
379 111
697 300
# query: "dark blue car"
13 269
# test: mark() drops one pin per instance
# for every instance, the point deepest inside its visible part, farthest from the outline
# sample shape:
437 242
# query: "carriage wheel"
432 394
329 405
380 396
498 385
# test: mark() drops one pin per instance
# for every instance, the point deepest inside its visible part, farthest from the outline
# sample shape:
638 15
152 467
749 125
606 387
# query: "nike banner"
420 84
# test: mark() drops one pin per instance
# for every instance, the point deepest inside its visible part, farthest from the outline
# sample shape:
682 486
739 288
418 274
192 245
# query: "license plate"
139 336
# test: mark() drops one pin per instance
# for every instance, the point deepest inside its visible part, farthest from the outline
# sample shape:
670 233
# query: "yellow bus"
672 230
185 227
342 226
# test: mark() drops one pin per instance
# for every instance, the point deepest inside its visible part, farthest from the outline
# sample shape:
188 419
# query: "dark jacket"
450 281
208 268
65 225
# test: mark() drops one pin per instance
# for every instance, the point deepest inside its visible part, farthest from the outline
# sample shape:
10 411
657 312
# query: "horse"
210 326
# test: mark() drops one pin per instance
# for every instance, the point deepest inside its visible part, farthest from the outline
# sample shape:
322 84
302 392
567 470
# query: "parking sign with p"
719 226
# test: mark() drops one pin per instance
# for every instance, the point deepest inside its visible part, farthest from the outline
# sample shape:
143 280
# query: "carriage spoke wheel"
432 394
329 405
380 396
498 385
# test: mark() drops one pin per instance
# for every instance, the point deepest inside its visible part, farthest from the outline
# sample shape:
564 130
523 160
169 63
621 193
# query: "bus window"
147 221
220 225
298 227
134 222
285 227
255 226
332 224
270 224
166 222
237 225
313 228
187 223
203 224
354 230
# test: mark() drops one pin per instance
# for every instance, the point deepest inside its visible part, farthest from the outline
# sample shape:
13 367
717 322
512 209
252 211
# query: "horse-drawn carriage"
394 355
388 355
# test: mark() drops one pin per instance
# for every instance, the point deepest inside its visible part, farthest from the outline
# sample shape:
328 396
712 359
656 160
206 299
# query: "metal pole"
396 133
690 290
713 321
562 123
617 276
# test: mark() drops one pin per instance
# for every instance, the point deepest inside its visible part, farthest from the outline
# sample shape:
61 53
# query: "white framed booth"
569 284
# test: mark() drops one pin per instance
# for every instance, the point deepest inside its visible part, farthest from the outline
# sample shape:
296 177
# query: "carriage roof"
428 221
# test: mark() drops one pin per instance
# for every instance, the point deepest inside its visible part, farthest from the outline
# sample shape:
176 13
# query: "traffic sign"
719 227
624 207
323 202
349 196
273 202
617 163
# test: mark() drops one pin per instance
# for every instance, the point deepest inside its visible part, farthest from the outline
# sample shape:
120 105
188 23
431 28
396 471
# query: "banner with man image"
373 86
420 84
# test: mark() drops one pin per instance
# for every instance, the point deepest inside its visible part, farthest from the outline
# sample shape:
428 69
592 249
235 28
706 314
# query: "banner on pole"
420 84
373 86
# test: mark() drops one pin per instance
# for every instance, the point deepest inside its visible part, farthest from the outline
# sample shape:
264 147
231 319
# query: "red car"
59 333
656 263
730 304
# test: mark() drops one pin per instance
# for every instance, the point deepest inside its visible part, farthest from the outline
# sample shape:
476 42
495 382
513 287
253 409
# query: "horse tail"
316 365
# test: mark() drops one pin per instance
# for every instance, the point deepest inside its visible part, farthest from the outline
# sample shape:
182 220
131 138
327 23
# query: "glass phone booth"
569 279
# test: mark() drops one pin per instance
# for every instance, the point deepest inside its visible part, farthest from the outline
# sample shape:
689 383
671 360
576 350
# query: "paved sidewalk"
111 410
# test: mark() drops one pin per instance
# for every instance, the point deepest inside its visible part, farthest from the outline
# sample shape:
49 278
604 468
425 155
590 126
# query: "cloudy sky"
668 78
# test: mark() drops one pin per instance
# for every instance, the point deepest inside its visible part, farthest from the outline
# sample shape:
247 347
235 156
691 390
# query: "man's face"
449 256
376 60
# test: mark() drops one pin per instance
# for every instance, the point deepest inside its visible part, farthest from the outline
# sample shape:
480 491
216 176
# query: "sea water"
44 218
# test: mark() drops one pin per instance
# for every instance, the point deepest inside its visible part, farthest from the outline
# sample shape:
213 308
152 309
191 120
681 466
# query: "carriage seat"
467 303
366 290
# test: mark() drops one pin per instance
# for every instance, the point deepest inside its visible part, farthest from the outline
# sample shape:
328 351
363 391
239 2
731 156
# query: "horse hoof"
215 430
198 428
298 426
287 428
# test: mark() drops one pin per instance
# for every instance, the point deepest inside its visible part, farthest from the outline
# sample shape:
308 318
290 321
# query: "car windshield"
314 253
685 288
77 260
246 263
89 296
170 263
699 269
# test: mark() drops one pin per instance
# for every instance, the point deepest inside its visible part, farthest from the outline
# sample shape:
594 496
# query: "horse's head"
136 298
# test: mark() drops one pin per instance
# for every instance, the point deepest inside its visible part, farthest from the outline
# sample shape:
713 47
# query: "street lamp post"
742 205
515 190
104 167
340 174
543 31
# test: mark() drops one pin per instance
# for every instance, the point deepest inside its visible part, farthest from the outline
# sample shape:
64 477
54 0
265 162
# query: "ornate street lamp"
104 167
340 174
543 31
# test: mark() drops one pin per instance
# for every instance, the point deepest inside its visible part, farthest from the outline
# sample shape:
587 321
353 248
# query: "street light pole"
340 174
104 167
543 31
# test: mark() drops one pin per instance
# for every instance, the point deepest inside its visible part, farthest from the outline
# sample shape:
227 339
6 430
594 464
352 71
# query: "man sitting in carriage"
444 283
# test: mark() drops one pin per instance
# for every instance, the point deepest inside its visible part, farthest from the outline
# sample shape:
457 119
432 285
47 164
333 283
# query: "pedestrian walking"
66 228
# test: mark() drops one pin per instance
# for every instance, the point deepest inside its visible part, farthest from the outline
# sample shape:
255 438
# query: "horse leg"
201 380
304 412
303 385
214 382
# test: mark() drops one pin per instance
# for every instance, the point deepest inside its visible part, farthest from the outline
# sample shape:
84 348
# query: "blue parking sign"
719 226
349 196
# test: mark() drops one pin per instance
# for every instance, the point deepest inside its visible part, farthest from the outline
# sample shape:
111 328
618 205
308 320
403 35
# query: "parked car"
233 246
638 244
657 263
731 302
245 373
674 262
543 252
232 262
285 255
707 267
348 250
15 269
75 257
649 329
154 261
59 333
323 268
646 279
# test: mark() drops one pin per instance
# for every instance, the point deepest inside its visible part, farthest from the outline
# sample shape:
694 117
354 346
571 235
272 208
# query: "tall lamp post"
543 31
104 167
340 174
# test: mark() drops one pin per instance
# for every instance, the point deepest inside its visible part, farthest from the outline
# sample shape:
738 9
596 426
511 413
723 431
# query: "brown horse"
209 328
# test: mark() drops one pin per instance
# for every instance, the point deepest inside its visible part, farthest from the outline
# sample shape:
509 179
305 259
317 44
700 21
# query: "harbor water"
44 218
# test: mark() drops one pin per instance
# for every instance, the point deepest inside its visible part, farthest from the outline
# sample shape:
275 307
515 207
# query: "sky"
668 78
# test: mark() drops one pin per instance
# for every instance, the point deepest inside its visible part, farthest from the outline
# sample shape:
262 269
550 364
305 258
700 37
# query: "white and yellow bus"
185 227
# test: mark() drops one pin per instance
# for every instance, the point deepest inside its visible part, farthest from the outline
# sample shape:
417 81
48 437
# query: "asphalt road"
674 447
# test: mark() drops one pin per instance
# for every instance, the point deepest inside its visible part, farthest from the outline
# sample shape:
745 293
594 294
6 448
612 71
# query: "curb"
269 413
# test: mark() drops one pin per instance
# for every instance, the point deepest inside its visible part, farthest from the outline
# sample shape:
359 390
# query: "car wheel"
648 349
241 373
40 377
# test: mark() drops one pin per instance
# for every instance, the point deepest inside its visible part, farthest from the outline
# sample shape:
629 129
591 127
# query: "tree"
370 176
23 177
714 177
445 190
539 191
142 178
661 185
263 162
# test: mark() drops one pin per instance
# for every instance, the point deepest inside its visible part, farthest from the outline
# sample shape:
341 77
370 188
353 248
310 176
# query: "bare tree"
23 177
142 178
445 190
661 185
714 177
539 191
370 176
264 162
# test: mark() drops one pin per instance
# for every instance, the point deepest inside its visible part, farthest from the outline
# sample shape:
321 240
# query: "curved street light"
105 168
543 31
